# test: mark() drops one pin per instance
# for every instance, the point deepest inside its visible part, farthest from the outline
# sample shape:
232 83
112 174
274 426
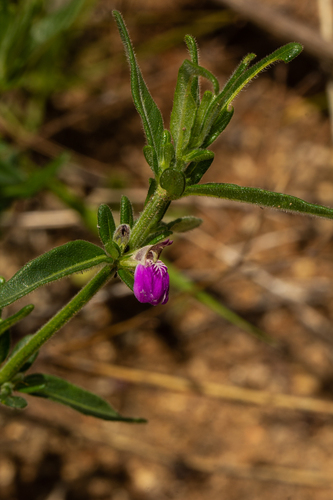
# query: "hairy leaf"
259 197
61 391
127 277
144 103
195 171
126 211
183 224
193 50
184 105
240 79
62 261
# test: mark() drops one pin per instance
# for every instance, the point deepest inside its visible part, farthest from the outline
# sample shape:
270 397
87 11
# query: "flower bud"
122 235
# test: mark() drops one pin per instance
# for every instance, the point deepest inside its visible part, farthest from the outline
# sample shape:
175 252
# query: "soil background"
273 269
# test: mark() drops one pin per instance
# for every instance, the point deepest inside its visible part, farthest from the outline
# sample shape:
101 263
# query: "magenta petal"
151 283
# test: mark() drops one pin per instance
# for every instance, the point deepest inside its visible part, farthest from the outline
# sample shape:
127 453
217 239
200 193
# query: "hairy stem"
11 368
151 216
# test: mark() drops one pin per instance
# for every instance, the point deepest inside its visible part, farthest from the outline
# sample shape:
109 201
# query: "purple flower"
151 282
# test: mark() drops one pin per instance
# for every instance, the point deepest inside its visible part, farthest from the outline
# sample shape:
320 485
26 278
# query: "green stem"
13 365
151 215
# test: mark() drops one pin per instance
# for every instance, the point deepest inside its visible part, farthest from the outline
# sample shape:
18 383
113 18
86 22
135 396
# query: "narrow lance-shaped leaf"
151 158
208 114
184 105
243 65
127 277
183 112
144 103
193 50
168 151
15 318
61 391
62 261
259 197
286 54
195 171
200 119
198 155
158 236
106 224
126 211
183 224
219 125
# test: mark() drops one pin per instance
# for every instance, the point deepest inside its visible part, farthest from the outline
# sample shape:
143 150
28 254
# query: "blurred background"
229 416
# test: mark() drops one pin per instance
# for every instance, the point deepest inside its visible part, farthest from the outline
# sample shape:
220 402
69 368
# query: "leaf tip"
294 49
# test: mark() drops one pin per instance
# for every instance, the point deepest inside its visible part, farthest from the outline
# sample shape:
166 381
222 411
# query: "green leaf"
285 54
61 391
15 318
106 224
4 346
183 224
144 103
151 158
198 155
243 65
106 228
184 284
200 118
20 345
182 118
218 126
193 50
195 171
168 156
259 197
122 236
158 236
15 402
239 80
126 211
62 261
173 182
184 105
127 277
168 151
